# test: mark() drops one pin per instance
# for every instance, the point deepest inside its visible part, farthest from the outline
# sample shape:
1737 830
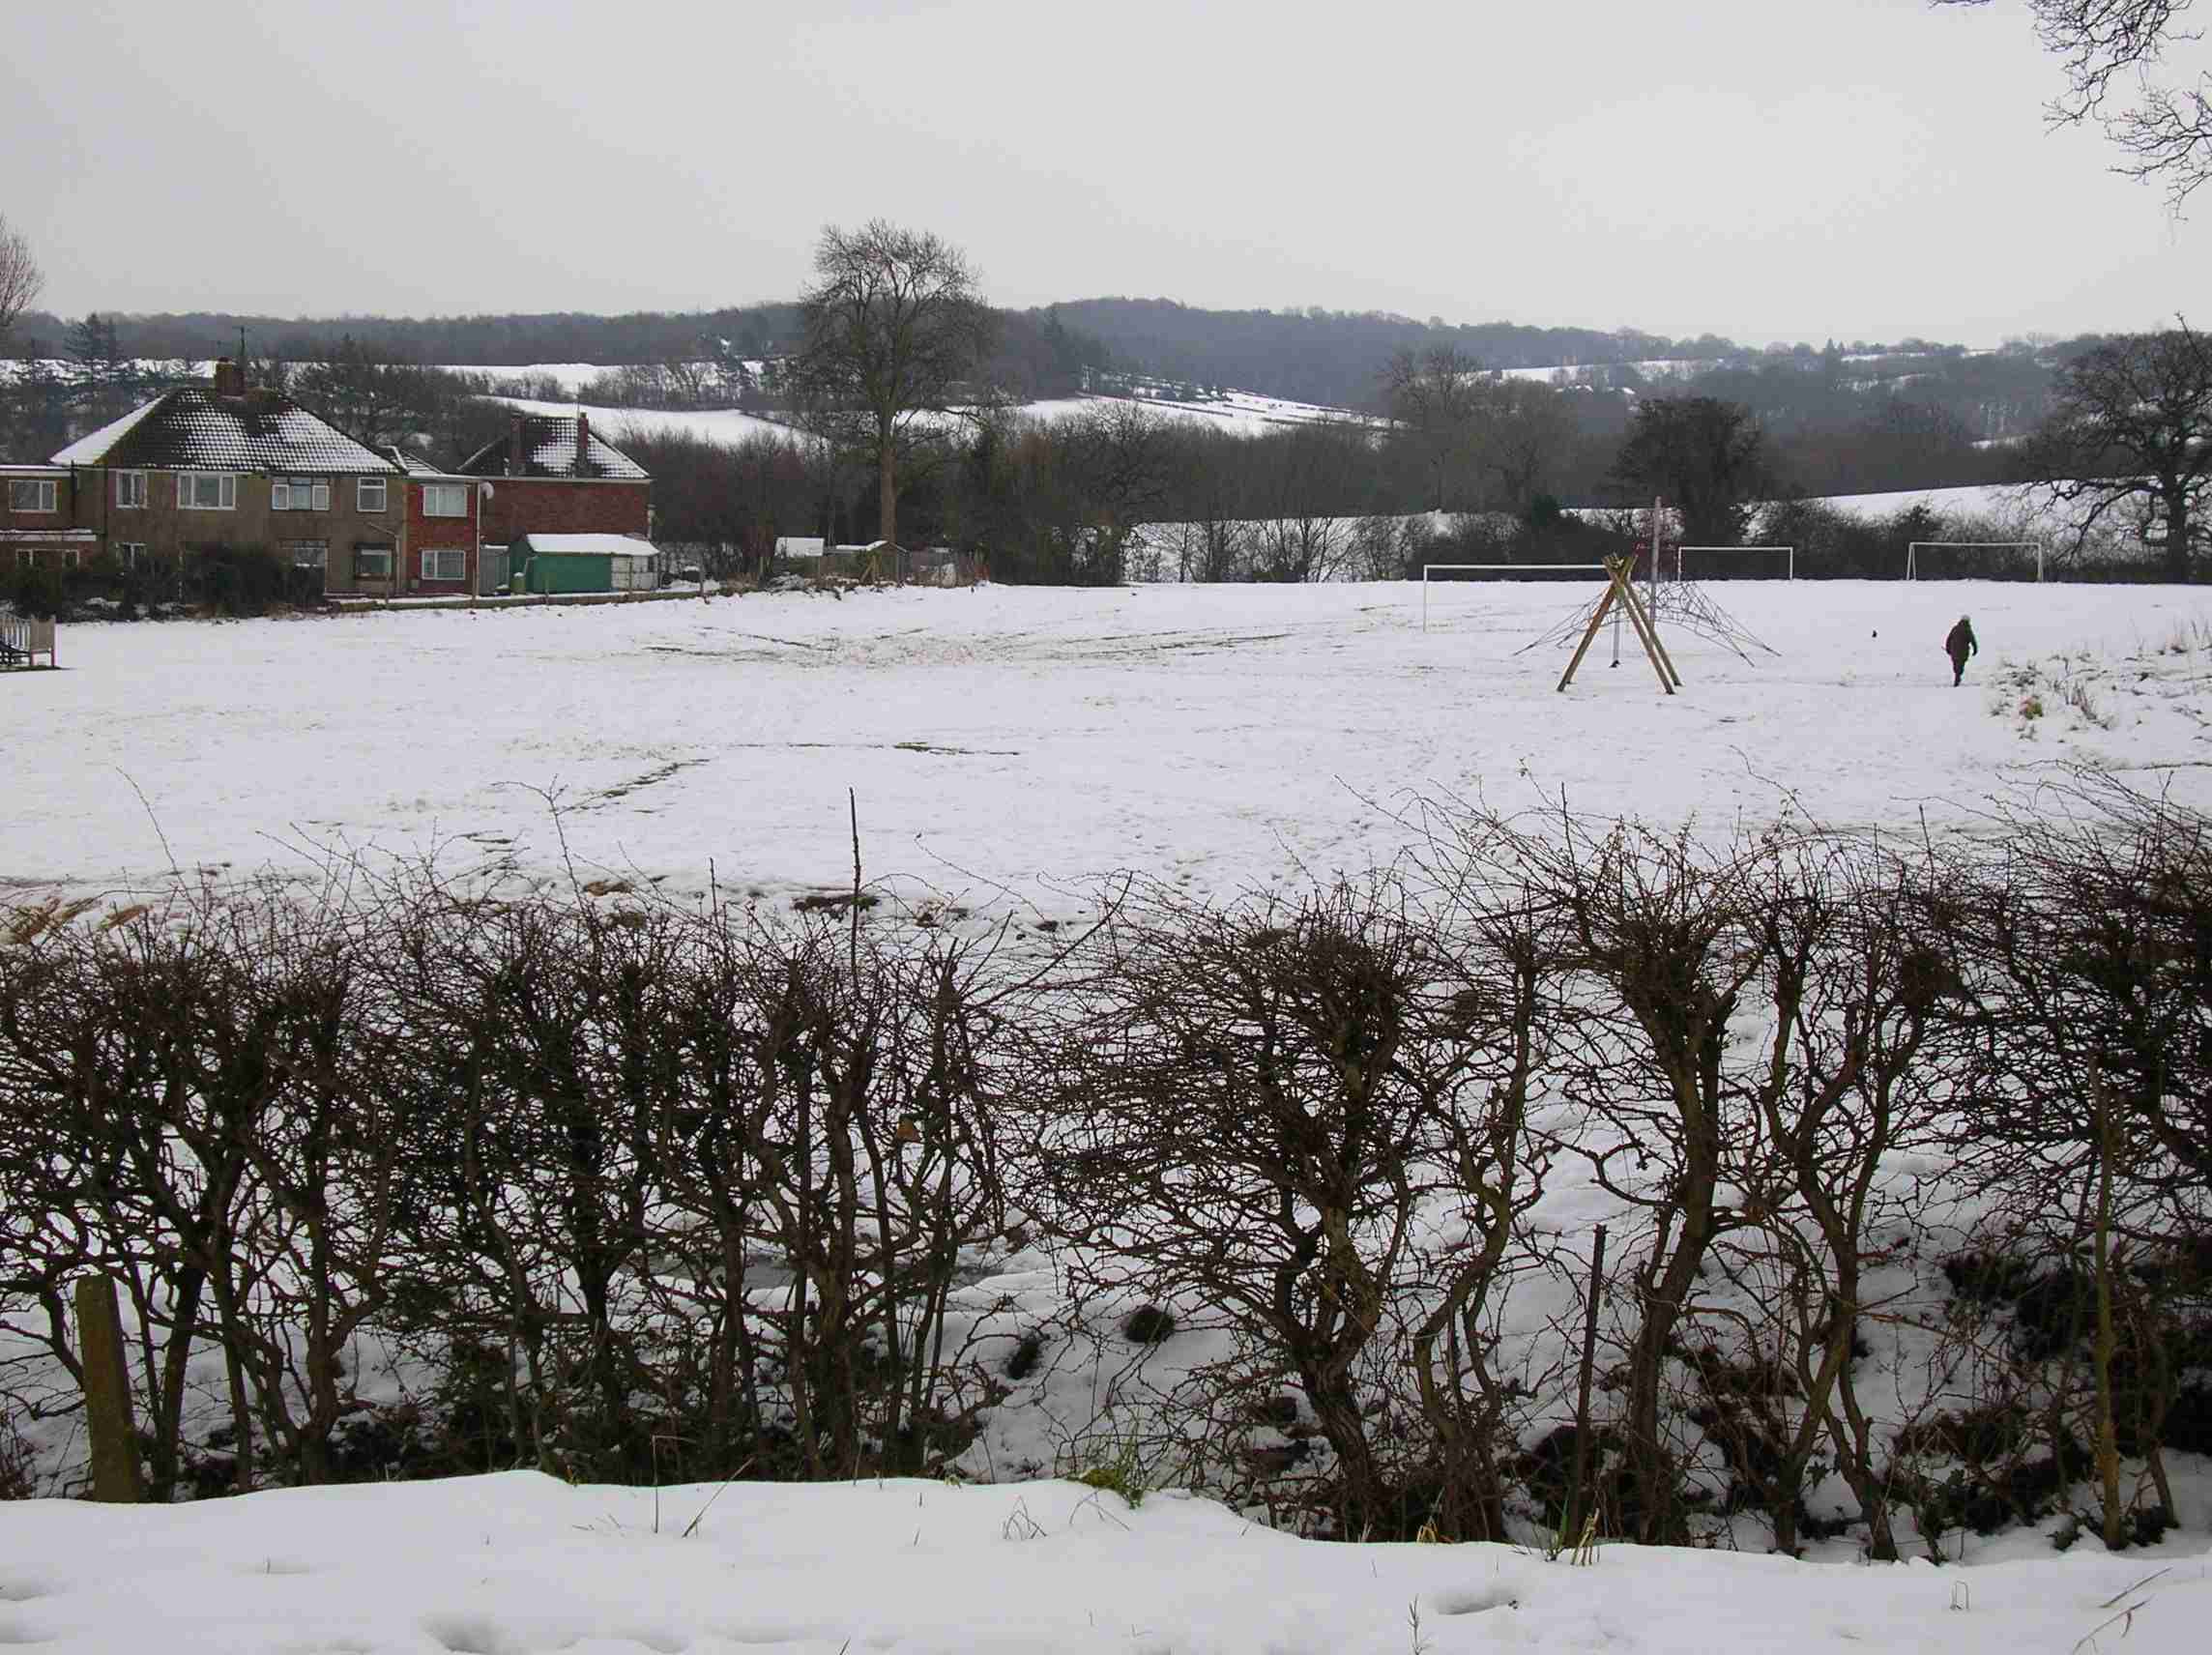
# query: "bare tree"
2130 437
21 280
1438 397
894 330
1523 430
1311 492
2164 130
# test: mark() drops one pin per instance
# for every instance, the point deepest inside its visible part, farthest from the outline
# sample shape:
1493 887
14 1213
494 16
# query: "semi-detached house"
223 465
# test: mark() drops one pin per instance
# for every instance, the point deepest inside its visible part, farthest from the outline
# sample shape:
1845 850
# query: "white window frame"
46 488
462 566
320 549
387 553
360 492
284 494
130 490
130 551
187 490
434 493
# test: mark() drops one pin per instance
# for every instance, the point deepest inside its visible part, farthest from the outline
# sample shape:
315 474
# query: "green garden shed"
583 563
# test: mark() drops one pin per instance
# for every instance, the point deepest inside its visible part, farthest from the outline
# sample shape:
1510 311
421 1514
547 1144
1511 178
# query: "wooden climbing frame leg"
1648 628
1589 635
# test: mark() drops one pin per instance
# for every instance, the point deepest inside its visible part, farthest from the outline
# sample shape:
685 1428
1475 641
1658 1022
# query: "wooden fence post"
107 1392
1572 1531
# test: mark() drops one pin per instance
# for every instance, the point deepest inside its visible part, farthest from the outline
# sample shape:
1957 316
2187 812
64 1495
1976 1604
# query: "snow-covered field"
520 1563
1006 745
1019 739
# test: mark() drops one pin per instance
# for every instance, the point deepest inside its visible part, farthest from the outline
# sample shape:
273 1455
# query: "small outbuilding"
583 563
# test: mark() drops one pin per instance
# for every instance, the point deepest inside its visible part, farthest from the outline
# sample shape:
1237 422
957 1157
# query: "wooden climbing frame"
1622 591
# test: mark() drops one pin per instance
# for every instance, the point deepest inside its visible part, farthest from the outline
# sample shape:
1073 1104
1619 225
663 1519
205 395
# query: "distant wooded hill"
1310 355
1331 357
1334 356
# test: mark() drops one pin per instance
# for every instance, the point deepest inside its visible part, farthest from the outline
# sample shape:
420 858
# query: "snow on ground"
1023 739
1004 743
1667 368
518 1563
1998 499
571 377
1240 412
726 426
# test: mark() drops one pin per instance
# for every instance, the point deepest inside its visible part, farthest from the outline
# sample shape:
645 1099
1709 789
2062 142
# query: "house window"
130 488
31 494
446 563
373 563
206 491
368 495
309 553
299 494
132 552
444 500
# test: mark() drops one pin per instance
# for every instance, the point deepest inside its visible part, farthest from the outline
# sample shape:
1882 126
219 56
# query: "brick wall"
425 533
553 506
62 516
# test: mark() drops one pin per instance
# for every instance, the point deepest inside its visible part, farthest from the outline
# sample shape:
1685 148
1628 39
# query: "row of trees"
1905 1151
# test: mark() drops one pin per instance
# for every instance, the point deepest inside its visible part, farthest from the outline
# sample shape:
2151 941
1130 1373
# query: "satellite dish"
484 489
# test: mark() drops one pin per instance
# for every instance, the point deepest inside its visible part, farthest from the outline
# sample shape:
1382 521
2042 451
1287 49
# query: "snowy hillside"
1236 412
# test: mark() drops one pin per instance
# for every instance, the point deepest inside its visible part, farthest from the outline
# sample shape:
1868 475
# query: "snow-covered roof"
413 463
619 545
549 450
193 429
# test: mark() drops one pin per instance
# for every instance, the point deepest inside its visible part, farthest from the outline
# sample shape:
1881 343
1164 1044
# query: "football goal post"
1728 563
1520 573
1973 560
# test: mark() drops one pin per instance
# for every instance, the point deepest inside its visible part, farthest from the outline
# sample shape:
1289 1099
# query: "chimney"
515 457
229 378
583 443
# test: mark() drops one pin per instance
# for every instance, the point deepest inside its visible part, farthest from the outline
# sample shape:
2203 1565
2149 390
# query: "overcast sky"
1764 169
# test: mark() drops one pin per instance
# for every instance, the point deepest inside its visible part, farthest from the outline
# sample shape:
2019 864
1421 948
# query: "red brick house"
552 474
441 537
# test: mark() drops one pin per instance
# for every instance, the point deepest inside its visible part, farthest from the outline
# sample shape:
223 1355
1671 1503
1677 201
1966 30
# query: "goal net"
1973 560
1437 574
1727 563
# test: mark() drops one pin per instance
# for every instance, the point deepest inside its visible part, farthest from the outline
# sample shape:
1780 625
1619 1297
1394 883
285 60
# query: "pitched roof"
549 450
413 463
193 429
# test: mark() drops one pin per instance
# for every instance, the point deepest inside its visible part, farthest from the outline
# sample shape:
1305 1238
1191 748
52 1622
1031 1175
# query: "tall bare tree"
2164 129
894 330
1437 397
21 280
2129 439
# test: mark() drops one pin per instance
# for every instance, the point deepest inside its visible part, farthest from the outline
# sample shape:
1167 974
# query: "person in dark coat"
1959 645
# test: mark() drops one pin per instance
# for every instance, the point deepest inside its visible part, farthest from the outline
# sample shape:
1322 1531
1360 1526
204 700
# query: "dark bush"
1149 1324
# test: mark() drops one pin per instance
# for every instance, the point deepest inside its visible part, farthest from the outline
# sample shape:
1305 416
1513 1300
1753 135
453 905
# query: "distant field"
1009 743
